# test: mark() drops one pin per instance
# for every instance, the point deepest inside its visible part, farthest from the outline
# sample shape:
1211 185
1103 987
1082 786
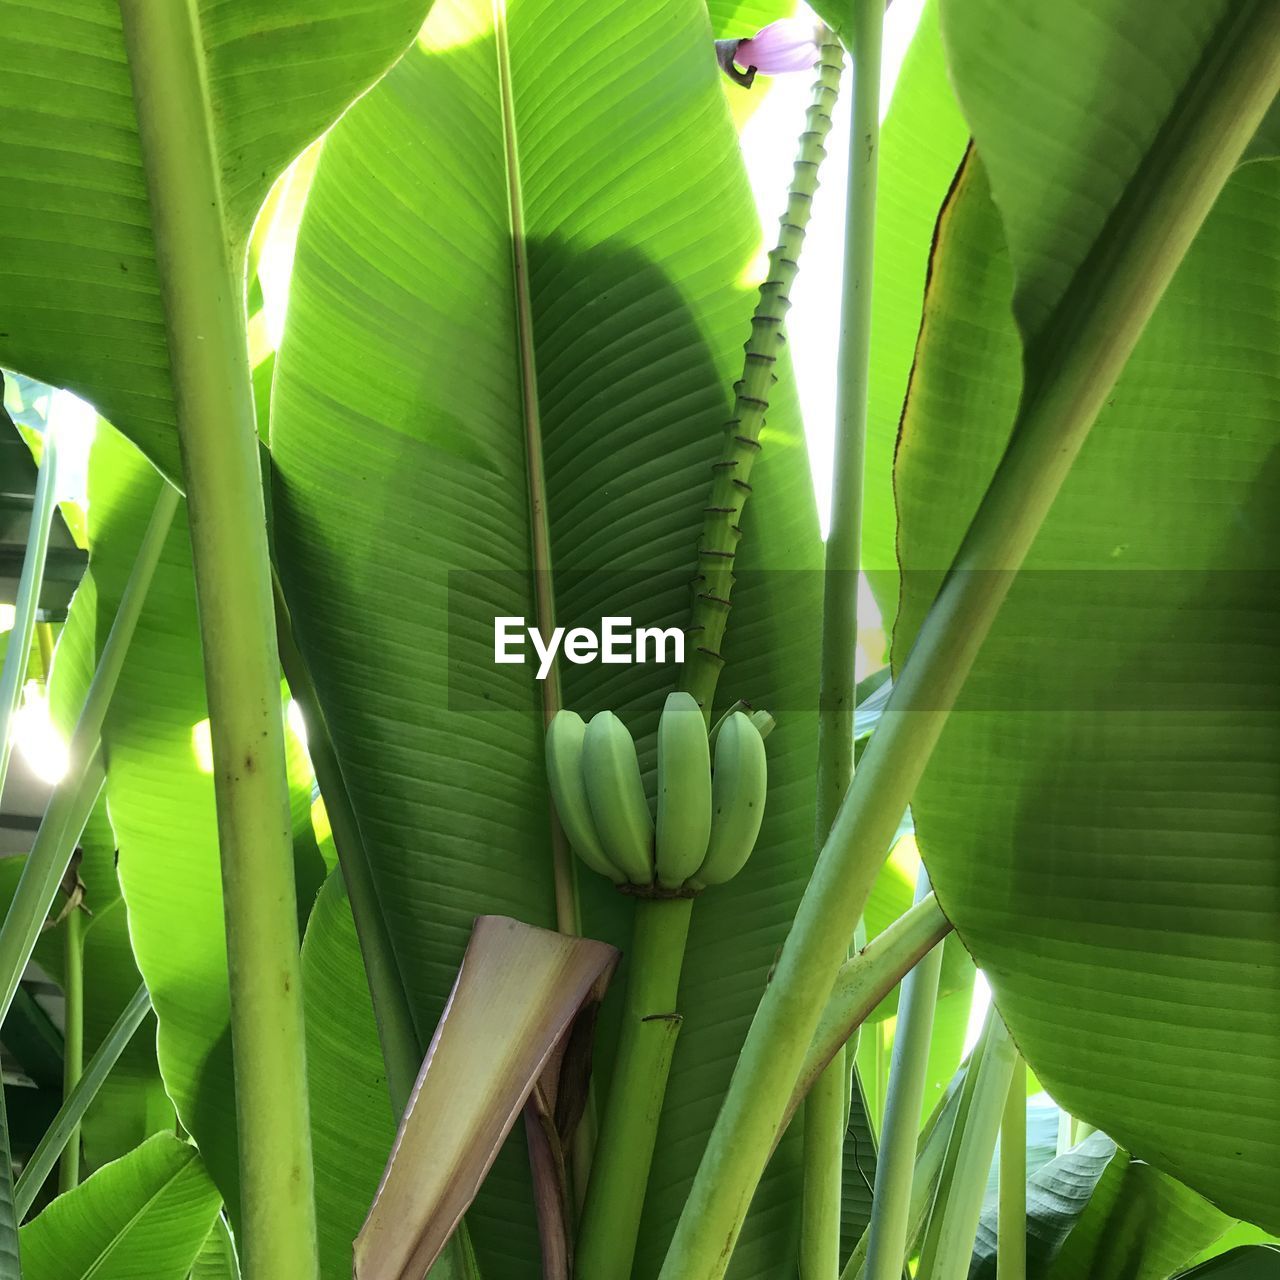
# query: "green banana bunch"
739 785
615 792
684 791
708 820
565 736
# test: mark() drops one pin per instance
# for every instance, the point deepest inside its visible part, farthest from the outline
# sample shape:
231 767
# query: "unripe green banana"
615 792
684 791
764 722
738 789
565 736
724 720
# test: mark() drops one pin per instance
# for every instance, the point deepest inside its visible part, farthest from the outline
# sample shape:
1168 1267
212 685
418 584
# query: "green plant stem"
77 1102
863 981
73 800
968 1087
27 604
202 287
401 1048
895 1161
72 1038
731 473
1075 363
957 1206
629 1127
827 1106
931 1150
825 1120
10 1252
1011 1242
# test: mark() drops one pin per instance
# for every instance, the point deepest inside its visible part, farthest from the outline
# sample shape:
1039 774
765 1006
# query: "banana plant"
455 580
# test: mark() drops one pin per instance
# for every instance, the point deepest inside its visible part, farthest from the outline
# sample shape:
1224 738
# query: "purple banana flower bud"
790 44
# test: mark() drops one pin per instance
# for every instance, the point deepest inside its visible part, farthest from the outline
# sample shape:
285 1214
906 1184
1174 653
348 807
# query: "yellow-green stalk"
202 286
826 1110
889 1229
1011 1227
957 1205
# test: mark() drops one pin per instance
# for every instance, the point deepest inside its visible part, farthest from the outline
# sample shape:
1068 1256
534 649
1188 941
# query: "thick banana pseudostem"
731 473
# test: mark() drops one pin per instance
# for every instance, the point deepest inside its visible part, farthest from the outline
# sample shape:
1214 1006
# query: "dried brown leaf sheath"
517 996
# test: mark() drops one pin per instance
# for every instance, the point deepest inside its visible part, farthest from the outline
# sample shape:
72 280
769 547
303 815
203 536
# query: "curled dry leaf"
508 1028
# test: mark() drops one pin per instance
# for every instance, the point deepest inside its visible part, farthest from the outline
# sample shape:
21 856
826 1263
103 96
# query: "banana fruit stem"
731 473
629 1127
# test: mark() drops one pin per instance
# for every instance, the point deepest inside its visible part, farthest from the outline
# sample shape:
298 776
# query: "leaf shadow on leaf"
632 406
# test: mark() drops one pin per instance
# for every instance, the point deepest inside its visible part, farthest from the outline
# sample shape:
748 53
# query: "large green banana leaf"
144 1215
742 18
402 516
79 292
1099 819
